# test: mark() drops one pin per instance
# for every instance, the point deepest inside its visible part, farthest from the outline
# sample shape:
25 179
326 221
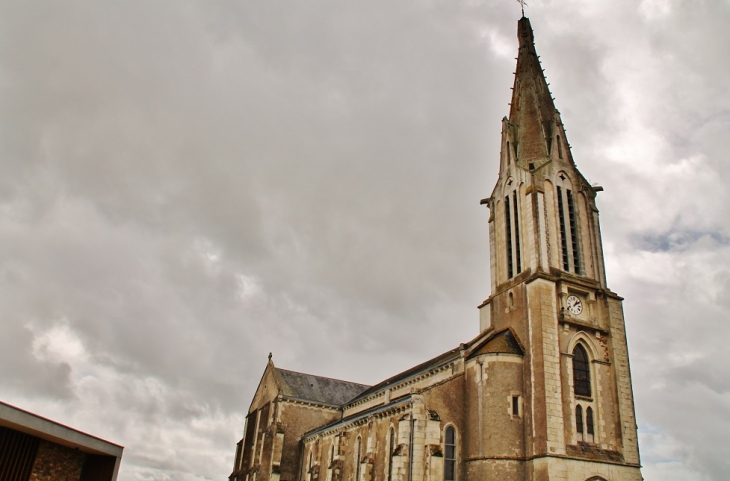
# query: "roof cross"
523 4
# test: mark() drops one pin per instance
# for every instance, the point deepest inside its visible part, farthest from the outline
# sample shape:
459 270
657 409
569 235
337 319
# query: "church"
542 393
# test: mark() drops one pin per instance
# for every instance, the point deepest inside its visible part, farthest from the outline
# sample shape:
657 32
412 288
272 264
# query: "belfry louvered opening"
573 232
508 237
517 232
512 235
568 222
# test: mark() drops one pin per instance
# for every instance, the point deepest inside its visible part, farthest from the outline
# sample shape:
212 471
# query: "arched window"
581 372
358 458
390 454
579 421
450 454
332 452
589 424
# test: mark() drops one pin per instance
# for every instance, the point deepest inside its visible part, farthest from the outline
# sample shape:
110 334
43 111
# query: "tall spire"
533 117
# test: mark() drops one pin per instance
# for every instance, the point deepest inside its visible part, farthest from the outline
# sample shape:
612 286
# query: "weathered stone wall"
54 462
622 385
420 422
557 469
494 434
295 419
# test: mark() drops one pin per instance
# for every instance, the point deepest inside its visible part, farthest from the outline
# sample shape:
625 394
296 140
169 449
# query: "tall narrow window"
390 454
589 424
579 421
358 457
450 454
517 232
560 148
573 232
509 154
332 452
563 238
515 405
508 226
581 372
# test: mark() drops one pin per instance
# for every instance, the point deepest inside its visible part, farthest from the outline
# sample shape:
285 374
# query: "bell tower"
548 284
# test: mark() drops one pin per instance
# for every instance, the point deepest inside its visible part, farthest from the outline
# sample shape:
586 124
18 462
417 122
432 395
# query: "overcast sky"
186 186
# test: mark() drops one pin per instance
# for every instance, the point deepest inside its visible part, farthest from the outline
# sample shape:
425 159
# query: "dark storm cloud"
186 186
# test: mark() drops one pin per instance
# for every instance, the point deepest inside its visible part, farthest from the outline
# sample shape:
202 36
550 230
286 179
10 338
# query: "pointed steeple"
533 119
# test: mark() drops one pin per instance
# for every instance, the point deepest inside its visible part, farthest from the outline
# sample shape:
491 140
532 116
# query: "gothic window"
358 458
589 424
581 372
508 227
512 239
579 421
517 231
573 232
450 454
390 454
563 239
568 223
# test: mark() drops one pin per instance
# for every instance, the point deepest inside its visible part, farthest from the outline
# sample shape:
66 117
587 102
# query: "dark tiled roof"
424 366
503 342
316 388
500 342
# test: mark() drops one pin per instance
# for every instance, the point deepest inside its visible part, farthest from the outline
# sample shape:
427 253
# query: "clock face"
575 306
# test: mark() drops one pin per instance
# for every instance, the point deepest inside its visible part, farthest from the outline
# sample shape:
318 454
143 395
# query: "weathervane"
523 4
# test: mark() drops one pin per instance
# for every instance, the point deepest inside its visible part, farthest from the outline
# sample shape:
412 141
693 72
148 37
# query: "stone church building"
542 393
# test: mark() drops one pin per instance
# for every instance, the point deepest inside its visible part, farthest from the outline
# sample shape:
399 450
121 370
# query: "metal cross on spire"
523 4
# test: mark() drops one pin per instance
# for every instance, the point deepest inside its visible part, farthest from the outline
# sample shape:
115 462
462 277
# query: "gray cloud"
186 186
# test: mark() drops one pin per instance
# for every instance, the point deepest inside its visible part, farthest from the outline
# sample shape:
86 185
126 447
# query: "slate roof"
500 342
431 363
339 393
504 342
317 388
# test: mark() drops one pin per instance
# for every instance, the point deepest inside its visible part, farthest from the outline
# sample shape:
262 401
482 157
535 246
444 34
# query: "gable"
503 342
267 389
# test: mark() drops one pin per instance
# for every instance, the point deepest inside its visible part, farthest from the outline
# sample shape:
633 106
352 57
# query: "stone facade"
542 393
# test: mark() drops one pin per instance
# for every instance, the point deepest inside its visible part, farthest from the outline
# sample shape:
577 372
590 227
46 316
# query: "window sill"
584 398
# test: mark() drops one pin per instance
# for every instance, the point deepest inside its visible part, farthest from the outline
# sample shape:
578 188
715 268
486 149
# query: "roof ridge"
322 377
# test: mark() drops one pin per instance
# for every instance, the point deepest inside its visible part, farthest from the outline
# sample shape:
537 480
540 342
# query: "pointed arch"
589 421
581 337
581 371
579 421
